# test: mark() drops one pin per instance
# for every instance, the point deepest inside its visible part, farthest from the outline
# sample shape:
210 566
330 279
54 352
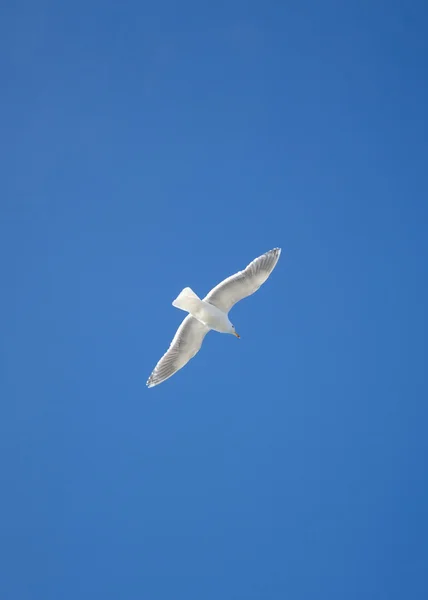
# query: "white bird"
210 313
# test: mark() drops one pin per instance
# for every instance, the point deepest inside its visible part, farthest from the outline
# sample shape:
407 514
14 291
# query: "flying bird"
210 313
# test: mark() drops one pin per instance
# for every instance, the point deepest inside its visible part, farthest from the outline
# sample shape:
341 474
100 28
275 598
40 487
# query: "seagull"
210 313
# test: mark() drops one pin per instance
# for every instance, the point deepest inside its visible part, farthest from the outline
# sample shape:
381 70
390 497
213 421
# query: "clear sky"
150 146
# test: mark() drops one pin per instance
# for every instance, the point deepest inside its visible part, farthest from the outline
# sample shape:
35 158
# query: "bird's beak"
237 334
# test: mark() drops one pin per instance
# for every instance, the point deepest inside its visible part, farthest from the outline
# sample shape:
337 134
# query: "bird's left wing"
184 346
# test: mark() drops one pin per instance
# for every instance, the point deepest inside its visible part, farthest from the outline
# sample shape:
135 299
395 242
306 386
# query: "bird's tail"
187 300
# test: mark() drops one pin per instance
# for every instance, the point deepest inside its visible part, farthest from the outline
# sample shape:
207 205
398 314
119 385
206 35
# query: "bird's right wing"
184 346
244 283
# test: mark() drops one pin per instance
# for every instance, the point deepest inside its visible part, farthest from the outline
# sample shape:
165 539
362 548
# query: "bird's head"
233 332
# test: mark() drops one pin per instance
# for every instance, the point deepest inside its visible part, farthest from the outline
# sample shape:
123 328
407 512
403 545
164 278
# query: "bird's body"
214 318
203 311
210 313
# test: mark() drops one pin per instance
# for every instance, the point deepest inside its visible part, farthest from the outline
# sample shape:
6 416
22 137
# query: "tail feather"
187 300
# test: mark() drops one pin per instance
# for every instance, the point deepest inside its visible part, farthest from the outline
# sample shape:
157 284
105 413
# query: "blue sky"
150 146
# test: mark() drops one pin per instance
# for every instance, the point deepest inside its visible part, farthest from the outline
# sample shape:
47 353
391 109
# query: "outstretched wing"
244 283
184 346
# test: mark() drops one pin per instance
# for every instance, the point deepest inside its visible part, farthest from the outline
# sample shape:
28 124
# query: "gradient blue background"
149 146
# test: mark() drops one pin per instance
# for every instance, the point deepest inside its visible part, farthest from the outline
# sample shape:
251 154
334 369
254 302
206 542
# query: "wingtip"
276 252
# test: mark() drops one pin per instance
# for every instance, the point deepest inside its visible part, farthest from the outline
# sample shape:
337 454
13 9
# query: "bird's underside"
191 333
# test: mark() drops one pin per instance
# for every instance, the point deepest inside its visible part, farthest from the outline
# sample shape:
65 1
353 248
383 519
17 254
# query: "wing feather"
186 343
244 283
